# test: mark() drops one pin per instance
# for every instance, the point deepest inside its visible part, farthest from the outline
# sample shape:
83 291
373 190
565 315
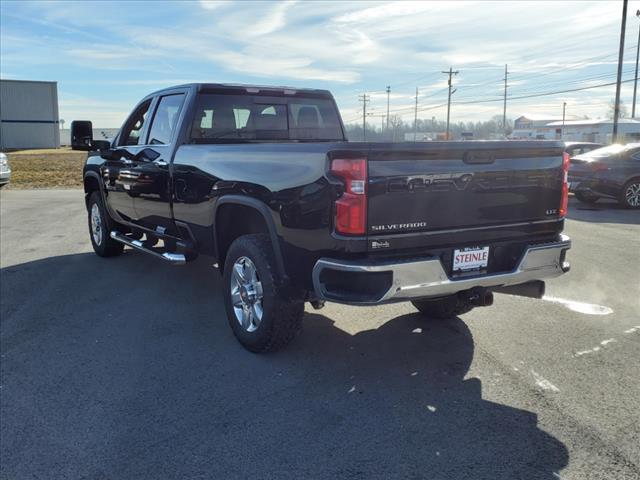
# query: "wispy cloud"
213 4
106 52
274 20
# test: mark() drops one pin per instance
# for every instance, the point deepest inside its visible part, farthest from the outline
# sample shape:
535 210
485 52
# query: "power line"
543 94
494 100
513 76
532 92
601 76
551 86
381 116
570 66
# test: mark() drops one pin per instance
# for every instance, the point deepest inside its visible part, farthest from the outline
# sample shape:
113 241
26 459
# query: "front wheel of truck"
263 311
443 308
102 243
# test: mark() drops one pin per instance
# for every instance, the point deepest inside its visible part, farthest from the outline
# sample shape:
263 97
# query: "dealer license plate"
474 258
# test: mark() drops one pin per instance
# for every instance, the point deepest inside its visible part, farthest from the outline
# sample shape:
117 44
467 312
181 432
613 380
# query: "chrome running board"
173 258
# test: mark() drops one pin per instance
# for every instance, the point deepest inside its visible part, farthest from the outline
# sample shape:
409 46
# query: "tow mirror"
100 145
81 135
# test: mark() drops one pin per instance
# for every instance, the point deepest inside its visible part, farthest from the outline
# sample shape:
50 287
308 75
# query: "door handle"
160 163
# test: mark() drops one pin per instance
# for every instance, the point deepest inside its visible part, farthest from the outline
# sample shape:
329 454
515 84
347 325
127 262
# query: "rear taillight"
564 200
351 207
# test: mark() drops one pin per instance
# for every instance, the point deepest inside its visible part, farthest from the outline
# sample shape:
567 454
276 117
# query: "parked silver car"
5 170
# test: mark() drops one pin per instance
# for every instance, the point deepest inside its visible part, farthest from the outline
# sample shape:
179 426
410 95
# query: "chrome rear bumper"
427 278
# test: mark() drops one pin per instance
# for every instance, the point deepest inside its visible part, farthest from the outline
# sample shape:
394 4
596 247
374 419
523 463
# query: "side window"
135 124
636 155
574 151
165 119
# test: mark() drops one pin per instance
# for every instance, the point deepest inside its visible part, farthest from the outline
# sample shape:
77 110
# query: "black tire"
628 201
282 309
589 198
443 308
105 246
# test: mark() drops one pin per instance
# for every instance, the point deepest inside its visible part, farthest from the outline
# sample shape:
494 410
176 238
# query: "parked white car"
5 170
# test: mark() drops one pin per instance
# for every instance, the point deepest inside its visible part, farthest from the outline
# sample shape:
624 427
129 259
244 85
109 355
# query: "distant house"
29 114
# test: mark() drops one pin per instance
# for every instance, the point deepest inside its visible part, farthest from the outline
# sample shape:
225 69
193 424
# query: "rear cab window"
225 118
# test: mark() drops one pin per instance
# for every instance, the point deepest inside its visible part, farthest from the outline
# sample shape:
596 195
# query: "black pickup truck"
264 180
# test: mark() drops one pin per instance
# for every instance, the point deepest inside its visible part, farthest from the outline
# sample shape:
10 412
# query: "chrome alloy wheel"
246 294
96 224
632 195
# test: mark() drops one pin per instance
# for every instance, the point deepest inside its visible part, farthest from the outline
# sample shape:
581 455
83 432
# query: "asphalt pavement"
125 368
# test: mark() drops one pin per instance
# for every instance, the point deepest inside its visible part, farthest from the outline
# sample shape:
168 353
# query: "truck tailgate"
440 186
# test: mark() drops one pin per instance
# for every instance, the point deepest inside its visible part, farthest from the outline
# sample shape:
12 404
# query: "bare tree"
624 113
395 121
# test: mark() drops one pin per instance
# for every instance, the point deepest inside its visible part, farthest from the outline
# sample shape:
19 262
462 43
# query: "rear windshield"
607 151
228 118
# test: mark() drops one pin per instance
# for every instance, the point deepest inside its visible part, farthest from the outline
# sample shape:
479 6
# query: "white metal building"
28 114
599 131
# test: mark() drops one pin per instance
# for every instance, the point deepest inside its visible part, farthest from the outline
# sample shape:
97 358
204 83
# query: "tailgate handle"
478 157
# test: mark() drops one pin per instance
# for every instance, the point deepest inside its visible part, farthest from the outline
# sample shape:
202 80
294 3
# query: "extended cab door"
119 173
152 187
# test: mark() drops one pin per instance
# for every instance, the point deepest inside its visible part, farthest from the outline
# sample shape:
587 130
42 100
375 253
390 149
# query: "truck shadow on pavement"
126 368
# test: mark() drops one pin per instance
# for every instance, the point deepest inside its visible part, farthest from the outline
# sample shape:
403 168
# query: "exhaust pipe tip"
478 297
487 299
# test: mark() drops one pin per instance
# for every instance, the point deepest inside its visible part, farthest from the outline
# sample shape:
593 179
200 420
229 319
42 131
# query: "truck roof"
278 90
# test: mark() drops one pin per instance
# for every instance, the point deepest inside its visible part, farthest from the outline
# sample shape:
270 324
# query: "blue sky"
106 55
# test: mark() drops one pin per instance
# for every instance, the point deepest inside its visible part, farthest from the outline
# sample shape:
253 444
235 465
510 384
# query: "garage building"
28 114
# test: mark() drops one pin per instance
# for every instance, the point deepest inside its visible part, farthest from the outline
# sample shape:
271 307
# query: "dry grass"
52 168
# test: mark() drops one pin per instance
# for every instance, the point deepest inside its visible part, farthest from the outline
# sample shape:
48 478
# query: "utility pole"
504 111
364 98
388 94
635 82
450 73
616 112
564 109
415 119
